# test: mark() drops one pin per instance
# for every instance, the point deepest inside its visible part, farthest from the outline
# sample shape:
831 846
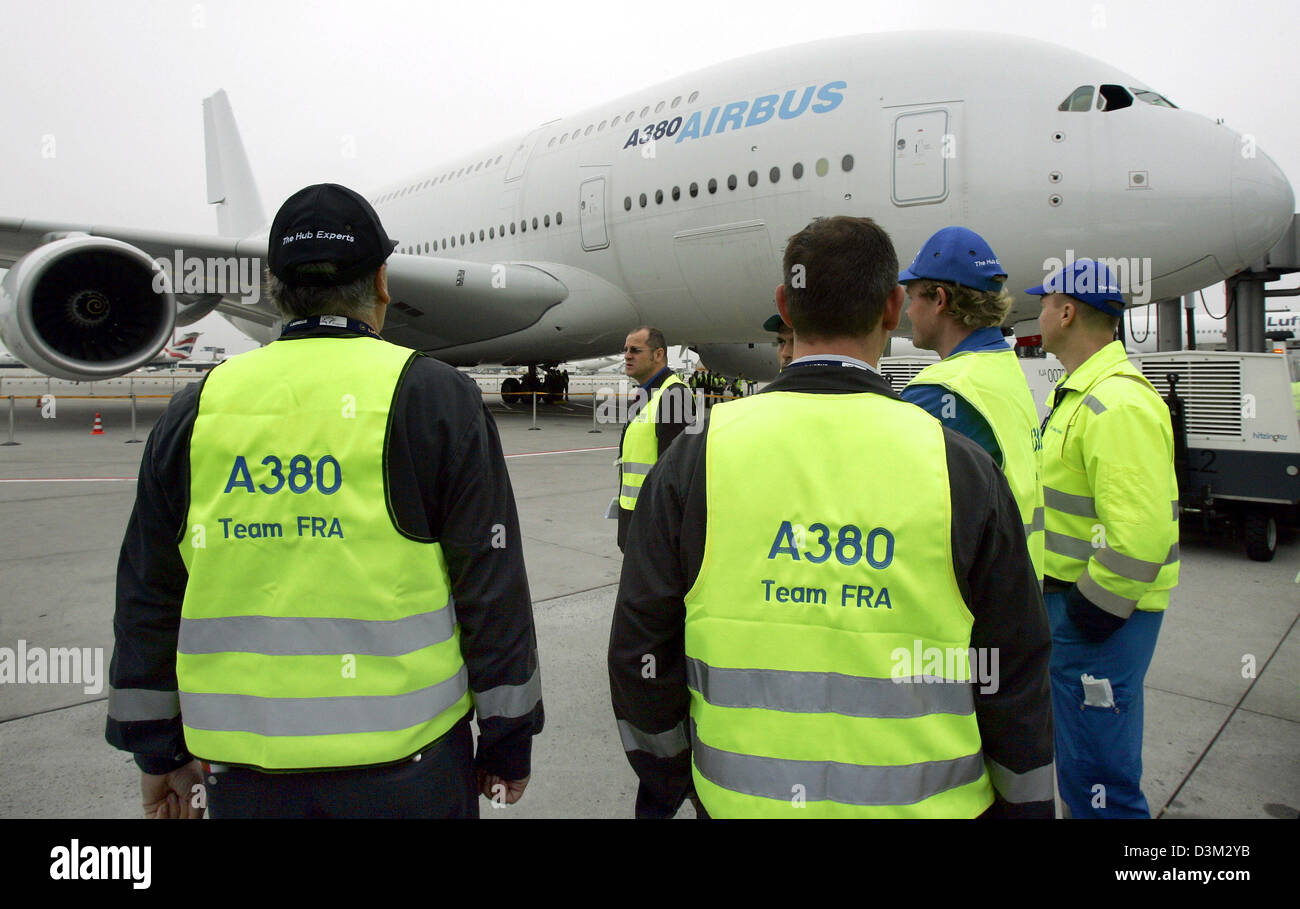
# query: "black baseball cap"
326 223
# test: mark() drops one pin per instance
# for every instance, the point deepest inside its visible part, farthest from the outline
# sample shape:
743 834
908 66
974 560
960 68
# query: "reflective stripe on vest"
1135 563
641 445
994 384
314 633
811 610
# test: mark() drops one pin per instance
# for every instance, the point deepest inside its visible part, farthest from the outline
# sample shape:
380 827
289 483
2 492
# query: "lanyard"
297 326
800 363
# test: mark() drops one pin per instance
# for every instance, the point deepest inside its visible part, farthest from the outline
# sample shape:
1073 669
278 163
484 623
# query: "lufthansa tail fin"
230 179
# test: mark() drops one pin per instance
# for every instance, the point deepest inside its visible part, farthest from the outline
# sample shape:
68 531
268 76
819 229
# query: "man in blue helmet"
956 304
1111 500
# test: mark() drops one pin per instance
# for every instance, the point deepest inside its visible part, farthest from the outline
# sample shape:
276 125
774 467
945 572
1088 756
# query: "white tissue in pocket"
1097 692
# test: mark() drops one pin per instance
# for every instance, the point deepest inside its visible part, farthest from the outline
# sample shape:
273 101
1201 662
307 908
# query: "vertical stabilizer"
230 179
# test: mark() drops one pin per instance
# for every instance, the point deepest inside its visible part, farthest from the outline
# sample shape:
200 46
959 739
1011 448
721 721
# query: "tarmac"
1222 735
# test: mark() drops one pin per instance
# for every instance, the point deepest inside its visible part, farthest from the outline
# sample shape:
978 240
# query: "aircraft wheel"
1260 530
512 391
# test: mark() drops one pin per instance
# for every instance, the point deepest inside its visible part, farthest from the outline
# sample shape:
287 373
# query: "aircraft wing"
436 302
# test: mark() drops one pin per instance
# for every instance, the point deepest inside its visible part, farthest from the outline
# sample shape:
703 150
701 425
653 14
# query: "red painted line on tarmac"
534 454
67 479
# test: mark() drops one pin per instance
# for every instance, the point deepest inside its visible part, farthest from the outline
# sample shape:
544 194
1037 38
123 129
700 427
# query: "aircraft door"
924 144
591 214
519 160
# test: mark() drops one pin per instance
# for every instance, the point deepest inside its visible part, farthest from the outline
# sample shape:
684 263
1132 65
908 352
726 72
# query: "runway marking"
535 454
67 480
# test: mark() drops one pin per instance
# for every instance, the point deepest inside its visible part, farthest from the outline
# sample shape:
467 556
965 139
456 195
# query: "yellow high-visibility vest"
314 632
641 446
826 636
993 383
1109 487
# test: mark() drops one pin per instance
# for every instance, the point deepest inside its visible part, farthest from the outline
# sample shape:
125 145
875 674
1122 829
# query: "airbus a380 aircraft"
671 206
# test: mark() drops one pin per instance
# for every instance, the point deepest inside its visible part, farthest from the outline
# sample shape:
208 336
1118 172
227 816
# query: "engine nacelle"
754 361
86 308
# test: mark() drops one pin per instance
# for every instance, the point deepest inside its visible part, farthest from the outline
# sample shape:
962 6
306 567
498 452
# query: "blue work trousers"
1099 745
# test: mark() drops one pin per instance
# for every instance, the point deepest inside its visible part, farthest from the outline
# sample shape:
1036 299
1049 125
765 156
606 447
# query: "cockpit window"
1113 97
1080 99
1151 97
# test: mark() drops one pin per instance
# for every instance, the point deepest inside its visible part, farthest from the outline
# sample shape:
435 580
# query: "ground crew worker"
663 408
956 303
784 339
304 521
1111 498
766 677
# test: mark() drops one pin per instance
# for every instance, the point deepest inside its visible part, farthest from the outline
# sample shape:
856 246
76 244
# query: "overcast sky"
102 117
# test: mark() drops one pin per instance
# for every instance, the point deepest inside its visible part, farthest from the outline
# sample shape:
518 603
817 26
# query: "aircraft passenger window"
492 233
642 200
677 193
462 239
659 107
587 131
471 237
676 101
480 233
691 99
551 144
1080 100
645 110
753 178
534 224
823 167
559 218
499 157
731 181
627 203
847 163
453 242
576 134
512 228
614 122
426 245
502 230
523 226
695 190
602 125
713 186
1113 97
659 197
630 115
478 165
546 221
774 174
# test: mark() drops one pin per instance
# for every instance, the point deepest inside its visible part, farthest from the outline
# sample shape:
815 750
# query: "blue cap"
774 322
1088 281
959 255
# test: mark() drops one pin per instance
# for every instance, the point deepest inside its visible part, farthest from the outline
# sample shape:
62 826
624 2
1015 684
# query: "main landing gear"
518 389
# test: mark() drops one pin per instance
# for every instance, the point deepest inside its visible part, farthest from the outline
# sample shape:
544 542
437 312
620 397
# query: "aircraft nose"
1262 202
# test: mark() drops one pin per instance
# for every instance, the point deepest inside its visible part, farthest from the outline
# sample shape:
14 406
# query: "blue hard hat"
1088 281
959 255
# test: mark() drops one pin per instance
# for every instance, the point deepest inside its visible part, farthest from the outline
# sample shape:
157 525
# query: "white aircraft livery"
671 207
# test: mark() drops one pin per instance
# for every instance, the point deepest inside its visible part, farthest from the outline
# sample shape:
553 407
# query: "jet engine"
86 308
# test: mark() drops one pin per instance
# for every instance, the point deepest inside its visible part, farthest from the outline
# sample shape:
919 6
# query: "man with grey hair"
323 576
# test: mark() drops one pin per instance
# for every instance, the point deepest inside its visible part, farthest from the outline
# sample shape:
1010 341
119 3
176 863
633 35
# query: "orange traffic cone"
99 427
